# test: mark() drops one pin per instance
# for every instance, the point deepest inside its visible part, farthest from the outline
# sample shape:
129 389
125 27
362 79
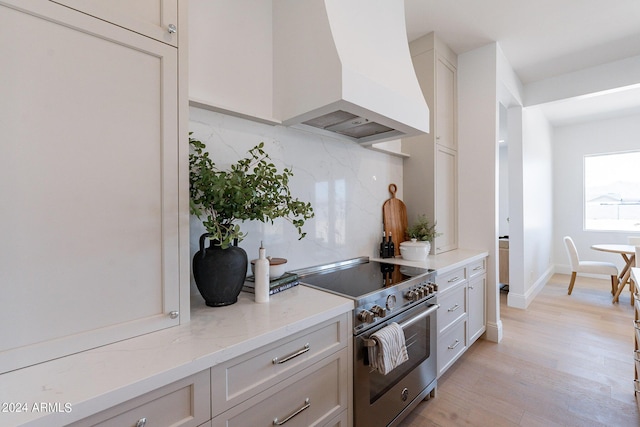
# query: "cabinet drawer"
313 397
234 381
453 306
448 280
450 346
476 268
184 403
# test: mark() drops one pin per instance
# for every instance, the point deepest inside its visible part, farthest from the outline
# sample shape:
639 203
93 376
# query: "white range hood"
343 68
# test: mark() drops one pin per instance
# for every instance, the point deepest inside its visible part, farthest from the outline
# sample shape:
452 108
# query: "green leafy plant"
252 189
422 229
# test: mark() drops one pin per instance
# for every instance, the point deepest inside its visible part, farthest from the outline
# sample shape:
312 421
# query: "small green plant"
252 189
422 230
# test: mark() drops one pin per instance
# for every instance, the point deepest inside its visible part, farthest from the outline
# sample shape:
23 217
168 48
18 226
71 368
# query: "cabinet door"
477 287
89 183
445 100
446 199
152 18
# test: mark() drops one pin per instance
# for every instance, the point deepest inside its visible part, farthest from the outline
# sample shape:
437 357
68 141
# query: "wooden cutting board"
394 218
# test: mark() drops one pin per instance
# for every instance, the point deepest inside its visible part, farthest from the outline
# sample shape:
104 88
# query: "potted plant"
421 233
251 189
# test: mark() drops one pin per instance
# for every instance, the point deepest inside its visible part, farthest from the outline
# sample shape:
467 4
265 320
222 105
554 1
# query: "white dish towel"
390 350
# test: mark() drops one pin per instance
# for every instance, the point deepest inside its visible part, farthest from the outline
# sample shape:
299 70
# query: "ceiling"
541 39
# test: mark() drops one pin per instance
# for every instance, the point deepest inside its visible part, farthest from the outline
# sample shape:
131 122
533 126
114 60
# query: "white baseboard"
523 300
494 331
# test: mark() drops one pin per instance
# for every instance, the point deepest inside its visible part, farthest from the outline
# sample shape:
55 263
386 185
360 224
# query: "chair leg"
572 282
614 284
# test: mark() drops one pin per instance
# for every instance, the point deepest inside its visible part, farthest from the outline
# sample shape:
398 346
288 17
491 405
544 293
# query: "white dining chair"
589 267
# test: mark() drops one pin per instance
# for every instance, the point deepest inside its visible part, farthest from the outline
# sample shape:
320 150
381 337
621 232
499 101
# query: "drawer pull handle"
454 308
454 345
477 268
453 279
277 361
302 408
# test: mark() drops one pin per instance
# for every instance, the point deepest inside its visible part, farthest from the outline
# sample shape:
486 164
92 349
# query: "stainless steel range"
385 293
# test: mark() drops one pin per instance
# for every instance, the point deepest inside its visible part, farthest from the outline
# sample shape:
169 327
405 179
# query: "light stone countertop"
443 262
97 379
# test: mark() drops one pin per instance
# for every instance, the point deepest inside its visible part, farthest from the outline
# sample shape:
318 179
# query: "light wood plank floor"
565 361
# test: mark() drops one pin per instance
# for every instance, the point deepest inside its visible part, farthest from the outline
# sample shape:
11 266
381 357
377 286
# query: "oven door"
380 399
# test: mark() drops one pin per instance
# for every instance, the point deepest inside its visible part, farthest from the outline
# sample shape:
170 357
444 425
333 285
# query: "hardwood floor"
565 361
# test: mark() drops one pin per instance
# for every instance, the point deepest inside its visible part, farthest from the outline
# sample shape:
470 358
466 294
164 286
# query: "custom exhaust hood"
343 68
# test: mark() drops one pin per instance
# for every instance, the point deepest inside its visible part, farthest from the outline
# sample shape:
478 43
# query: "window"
612 191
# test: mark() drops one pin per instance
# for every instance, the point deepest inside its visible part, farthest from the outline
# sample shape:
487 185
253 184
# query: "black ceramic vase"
219 273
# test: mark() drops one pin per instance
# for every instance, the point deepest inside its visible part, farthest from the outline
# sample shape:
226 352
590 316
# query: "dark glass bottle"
383 246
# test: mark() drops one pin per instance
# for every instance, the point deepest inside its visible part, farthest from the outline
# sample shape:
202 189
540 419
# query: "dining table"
628 253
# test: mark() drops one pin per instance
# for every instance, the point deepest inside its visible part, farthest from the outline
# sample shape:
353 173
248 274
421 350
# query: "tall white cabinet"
430 183
94 226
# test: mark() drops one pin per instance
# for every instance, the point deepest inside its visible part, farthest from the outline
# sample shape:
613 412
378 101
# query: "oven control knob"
366 316
391 302
379 311
412 295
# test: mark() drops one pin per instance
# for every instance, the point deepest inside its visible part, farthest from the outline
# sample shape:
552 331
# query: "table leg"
628 263
625 276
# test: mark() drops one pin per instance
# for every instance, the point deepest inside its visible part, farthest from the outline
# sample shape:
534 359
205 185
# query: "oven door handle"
422 315
368 342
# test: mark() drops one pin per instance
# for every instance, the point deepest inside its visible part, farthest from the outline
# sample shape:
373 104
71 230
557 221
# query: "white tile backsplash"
345 183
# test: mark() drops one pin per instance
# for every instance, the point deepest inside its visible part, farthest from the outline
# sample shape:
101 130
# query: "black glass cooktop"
361 279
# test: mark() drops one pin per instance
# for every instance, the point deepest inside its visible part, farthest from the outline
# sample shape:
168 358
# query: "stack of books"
286 281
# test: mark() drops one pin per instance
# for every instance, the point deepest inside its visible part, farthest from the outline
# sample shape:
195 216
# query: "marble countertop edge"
100 378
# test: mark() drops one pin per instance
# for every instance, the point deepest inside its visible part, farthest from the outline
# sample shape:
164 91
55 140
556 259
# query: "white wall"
478 167
345 183
571 144
486 84
529 163
537 204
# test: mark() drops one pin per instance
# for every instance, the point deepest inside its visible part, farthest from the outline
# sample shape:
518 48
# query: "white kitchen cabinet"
476 296
92 249
313 397
307 374
231 58
452 317
430 178
451 345
445 114
184 403
461 316
446 199
453 306
157 19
